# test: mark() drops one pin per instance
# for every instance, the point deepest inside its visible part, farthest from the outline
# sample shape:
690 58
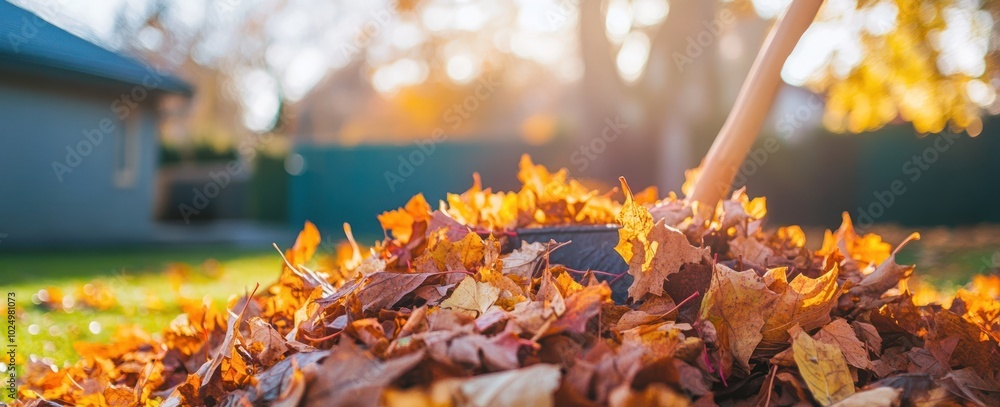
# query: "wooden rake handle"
752 104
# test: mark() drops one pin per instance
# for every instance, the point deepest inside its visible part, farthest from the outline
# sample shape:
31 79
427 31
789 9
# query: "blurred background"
147 141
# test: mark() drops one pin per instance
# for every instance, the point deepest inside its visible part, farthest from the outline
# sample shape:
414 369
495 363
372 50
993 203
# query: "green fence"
955 182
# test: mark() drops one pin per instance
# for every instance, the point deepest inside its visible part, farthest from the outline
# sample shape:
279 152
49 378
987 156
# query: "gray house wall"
37 123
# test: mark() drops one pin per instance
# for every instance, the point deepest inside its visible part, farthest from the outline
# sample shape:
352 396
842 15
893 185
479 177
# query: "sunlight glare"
305 71
649 12
461 68
981 93
632 56
259 92
618 20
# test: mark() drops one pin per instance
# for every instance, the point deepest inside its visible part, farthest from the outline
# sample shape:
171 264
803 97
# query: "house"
78 137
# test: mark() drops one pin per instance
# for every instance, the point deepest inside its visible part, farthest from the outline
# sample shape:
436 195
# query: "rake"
592 247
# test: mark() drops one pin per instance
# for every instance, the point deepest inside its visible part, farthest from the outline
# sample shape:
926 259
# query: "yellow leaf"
804 301
444 255
472 295
636 223
823 368
305 245
400 221
865 249
467 253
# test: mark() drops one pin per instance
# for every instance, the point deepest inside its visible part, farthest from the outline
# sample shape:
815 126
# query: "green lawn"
949 268
143 291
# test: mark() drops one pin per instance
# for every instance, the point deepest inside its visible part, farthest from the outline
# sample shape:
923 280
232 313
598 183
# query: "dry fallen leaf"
737 303
401 221
265 343
804 301
120 396
877 397
822 367
653 251
473 296
352 377
524 261
840 334
530 386
436 315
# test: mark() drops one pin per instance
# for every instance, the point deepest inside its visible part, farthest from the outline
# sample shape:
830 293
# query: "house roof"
31 44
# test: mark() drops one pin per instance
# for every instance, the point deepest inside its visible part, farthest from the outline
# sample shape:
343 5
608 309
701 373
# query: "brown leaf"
352 377
497 353
975 348
120 396
839 333
737 303
887 275
893 360
692 379
750 249
665 250
580 308
226 349
383 289
292 394
973 387
453 229
922 361
185 393
269 385
869 335
266 344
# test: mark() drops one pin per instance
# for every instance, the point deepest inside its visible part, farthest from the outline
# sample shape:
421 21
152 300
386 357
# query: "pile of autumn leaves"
442 313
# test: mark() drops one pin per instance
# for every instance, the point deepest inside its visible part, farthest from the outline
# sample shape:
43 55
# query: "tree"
926 62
